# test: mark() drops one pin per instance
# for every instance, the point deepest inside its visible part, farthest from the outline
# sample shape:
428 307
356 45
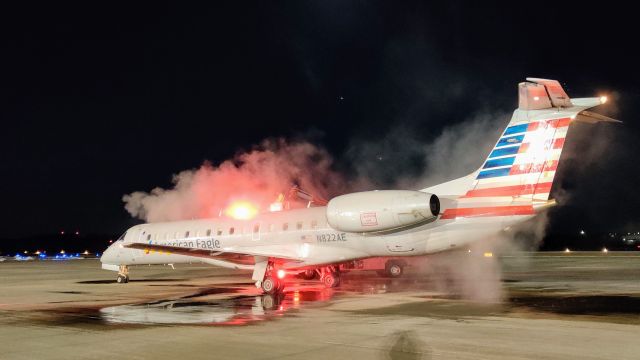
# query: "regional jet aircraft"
510 187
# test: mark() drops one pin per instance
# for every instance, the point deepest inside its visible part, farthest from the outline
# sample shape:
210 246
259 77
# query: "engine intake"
381 210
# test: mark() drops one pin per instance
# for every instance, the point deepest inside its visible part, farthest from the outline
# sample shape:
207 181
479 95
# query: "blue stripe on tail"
493 173
499 162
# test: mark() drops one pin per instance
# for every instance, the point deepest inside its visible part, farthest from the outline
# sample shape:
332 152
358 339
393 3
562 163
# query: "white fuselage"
302 234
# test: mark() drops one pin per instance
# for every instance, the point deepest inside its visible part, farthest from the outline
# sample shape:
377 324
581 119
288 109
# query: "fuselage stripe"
488 211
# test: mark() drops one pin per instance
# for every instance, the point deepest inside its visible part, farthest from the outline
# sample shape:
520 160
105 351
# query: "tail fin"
518 174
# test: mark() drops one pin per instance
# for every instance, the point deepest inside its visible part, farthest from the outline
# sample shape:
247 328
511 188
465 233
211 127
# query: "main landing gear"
330 276
274 280
123 275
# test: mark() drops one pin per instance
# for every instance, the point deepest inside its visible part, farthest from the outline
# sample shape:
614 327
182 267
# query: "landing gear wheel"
271 285
331 280
394 270
121 279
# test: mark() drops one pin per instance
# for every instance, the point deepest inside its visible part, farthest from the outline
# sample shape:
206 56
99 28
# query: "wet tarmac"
533 306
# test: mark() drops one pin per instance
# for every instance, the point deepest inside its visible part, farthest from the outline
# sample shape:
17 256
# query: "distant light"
37 252
605 250
488 254
110 241
77 232
62 232
567 250
25 252
62 252
276 206
581 232
281 274
86 252
603 99
469 251
536 98
97 254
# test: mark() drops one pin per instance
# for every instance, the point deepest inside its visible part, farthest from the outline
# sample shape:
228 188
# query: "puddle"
239 310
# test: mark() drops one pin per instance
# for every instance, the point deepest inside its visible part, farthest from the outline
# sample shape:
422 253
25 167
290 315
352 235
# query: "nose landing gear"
272 285
123 274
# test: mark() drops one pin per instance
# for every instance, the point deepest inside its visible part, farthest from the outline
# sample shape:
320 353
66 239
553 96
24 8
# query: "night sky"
100 101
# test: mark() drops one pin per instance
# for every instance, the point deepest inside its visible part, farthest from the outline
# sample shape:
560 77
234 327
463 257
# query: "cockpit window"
122 236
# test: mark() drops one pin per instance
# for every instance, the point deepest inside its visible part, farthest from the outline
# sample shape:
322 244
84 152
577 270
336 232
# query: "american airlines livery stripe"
557 144
504 151
526 127
513 190
528 168
493 173
511 140
488 211
516 129
507 161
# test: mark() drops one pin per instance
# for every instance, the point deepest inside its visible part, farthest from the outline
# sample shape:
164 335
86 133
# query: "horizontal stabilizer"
591 117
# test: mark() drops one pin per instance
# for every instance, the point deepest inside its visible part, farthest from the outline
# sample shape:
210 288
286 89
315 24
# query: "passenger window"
186 234
271 227
256 228
299 225
219 232
314 224
148 237
285 226
209 232
231 230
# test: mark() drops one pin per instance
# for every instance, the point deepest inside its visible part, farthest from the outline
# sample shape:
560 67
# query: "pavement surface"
460 306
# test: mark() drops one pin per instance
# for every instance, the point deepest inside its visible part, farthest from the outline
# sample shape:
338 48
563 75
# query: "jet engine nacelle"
381 210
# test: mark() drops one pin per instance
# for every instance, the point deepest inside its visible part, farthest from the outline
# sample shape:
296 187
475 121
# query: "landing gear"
394 269
331 280
273 281
330 276
271 285
309 274
123 274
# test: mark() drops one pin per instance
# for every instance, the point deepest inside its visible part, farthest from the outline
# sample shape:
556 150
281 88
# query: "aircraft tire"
331 280
394 269
121 279
270 285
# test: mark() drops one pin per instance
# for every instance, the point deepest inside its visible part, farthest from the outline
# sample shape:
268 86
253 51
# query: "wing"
240 256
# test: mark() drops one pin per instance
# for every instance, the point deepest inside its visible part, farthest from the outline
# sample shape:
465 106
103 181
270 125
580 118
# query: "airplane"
510 187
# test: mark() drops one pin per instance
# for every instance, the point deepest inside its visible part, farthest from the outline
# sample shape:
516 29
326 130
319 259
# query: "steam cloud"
259 175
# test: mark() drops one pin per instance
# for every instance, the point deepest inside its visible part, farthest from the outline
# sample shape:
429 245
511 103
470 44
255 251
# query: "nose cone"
109 256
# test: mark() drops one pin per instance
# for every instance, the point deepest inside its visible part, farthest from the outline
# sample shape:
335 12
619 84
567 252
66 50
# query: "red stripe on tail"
514 190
